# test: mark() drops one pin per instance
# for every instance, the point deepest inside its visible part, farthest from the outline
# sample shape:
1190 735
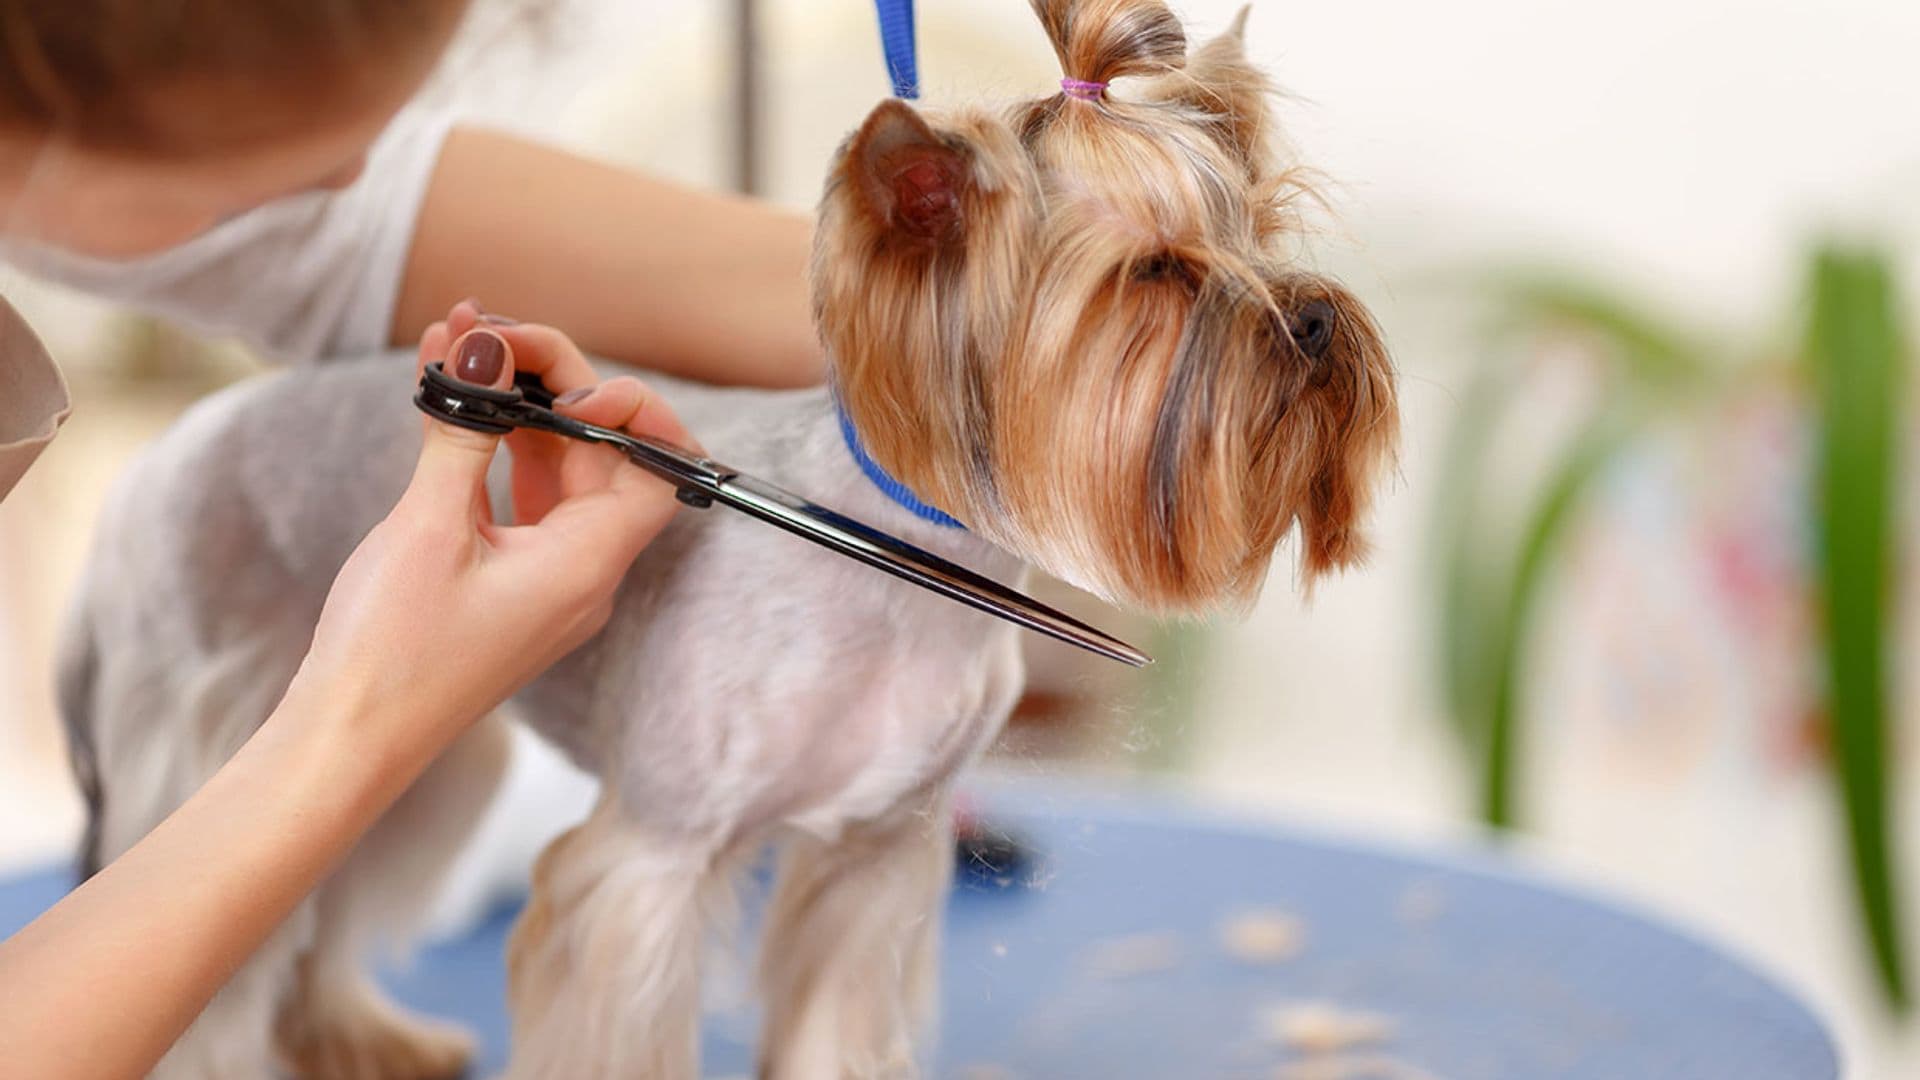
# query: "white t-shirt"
303 278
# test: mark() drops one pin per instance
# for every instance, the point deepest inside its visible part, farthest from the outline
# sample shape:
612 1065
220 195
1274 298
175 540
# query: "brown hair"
85 67
1081 325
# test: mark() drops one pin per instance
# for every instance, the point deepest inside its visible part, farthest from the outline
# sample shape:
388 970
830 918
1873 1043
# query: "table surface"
1105 957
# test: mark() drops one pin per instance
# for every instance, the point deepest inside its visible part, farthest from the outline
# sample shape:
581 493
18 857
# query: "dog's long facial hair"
1076 324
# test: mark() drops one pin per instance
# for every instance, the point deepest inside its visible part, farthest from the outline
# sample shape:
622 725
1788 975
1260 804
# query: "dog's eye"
1163 266
1312 328
1154 267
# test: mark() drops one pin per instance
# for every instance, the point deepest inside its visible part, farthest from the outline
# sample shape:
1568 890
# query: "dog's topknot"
1101 40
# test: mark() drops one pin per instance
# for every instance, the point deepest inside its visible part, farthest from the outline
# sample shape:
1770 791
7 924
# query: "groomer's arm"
707 286
105 981
410 649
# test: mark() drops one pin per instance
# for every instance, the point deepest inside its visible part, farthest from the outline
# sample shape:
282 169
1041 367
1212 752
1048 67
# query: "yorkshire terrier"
1074 324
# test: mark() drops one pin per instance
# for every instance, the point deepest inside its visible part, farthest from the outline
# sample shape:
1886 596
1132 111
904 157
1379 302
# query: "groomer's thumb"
454 460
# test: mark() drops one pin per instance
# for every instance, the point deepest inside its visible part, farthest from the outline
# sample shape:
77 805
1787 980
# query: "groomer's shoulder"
33 397
301 279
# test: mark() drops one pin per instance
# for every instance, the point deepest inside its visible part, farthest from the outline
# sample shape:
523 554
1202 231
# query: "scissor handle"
532 390
463 404
527 405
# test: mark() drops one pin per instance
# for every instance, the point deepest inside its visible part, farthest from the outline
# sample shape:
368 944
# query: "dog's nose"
1312 328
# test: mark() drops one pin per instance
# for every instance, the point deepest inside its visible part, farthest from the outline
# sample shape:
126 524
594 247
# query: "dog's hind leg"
603 968
336 1024
850 950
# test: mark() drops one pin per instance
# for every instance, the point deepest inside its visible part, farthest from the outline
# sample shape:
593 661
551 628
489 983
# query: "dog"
1077 324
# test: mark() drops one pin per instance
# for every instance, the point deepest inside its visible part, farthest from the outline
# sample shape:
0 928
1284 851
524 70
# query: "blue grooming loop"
900 493
897 42
1485 970
903 69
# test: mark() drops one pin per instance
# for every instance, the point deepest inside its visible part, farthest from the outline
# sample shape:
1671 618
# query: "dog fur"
1076 325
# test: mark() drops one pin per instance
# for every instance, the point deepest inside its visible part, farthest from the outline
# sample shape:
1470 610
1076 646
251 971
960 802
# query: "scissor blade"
860 541
700 480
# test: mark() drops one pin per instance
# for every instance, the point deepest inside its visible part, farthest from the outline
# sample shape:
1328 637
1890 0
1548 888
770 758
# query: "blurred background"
1640 602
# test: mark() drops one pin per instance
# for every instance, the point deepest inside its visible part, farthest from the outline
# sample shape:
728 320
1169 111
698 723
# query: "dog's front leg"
337 1024
603 969
848 961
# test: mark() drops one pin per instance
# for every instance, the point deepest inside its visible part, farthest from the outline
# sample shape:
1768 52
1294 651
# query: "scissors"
700 482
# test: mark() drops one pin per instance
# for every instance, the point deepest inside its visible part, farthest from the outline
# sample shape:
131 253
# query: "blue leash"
882 479
897 42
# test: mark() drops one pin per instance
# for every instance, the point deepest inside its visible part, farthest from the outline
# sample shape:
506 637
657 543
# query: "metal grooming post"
746 96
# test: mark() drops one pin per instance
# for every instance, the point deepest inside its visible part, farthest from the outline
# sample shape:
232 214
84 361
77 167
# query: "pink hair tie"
1082 90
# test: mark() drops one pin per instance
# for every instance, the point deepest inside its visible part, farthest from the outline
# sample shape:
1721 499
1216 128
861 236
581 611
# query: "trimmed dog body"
750 688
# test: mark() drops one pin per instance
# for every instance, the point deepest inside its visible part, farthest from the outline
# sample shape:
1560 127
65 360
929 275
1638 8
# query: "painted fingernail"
575 396
482 359
498 320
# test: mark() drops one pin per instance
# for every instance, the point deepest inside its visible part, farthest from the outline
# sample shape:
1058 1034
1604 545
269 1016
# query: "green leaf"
1490 584
1858 371
1652 357
1462 559
1545 532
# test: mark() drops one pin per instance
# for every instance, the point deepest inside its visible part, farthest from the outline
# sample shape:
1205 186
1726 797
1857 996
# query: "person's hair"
86 68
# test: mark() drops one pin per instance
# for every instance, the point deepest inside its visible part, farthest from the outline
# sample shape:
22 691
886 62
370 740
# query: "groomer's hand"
437 617
442 613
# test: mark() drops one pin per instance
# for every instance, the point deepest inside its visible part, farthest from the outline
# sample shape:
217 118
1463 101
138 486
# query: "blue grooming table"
1481 969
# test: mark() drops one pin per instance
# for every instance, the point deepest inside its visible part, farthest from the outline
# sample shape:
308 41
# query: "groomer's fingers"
540 459
452 472
626 402
435 339
434 342
465 315
604 530
546 352
619 403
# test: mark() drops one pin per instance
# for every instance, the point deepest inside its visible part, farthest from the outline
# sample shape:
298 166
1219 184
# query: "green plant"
1856 366
1492 578
1494 569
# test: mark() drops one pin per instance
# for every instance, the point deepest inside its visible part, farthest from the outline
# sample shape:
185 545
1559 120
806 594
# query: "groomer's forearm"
102 983
708 286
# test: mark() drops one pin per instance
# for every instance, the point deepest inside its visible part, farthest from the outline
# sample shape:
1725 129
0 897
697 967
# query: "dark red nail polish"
575 396
498 320
481 360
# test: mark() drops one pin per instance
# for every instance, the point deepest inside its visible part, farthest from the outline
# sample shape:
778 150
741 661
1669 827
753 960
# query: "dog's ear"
1220 81
911 179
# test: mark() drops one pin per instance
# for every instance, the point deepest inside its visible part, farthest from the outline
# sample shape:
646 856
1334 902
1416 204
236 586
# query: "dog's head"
1075 323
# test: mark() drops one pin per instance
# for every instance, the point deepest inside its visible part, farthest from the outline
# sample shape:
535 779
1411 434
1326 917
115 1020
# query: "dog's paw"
371 1040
